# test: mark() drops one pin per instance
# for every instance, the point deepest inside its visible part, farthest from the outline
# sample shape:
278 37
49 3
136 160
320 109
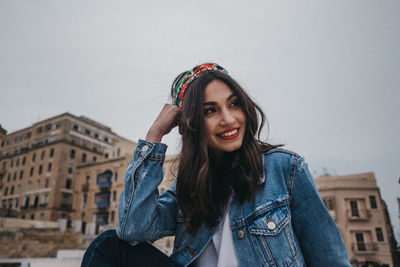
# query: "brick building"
355 203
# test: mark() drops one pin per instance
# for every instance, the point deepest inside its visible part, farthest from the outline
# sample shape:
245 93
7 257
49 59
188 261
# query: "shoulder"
282 159
280 154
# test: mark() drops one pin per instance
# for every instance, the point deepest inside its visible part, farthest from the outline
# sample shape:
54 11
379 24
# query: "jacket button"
145 148
240 234
271 225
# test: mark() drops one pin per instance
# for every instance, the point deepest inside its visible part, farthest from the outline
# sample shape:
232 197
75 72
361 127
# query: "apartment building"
97 189
38 164
355 203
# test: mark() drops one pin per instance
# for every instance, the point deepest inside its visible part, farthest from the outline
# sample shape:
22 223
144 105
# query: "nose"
227 117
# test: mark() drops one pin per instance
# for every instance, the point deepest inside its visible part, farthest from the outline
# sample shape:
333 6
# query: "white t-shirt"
219 251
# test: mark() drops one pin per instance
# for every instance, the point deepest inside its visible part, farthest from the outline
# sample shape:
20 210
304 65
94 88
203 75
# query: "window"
46 199
70 168
28 188
106 139
18 189
83 157
96 135
49 167
354 208
360 242
73 140
85 198
41 217
112 215
118 152
32 216
12 163
95 148
6 191
31 171
16 203
46 183
42 155
75 127
33 157
94 158
40 169
51 152
372 202
39 130
379 234
72 154
23 160
21 174
87 131
15 176
17 163
37 184
12 190
84 144
68 184
57 125
106 155
115 176
48 127
114 195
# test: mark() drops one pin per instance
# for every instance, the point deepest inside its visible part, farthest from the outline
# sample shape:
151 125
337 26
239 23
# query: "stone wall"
36 243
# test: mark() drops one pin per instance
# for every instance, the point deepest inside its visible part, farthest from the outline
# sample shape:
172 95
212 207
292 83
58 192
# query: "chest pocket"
272 235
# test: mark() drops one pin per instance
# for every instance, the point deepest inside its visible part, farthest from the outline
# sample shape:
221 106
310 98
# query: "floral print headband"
190 76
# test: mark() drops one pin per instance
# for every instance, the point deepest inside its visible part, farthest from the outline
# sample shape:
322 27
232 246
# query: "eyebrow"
214 103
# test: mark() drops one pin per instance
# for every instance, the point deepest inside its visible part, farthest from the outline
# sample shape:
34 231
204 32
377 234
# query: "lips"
229 134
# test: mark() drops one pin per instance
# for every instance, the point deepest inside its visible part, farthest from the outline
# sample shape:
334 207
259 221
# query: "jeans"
108 250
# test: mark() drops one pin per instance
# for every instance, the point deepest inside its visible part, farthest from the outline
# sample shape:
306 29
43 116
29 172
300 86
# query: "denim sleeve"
316 231
144 215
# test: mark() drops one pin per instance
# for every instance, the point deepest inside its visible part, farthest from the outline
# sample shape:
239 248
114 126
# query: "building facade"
38 164
355 203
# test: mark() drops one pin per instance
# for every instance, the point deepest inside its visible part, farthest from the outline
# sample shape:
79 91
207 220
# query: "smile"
229 134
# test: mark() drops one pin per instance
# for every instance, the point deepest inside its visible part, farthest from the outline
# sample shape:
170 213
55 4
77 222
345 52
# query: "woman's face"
224 120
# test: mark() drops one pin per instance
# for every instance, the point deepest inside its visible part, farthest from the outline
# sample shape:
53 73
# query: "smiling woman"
236 200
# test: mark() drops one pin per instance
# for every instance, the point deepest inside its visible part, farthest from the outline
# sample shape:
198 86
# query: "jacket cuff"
147 149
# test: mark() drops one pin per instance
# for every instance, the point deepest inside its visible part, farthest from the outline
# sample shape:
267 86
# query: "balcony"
43 205
103 204
13 213
65 206
364 248
85 188
102 199
104 184
359 215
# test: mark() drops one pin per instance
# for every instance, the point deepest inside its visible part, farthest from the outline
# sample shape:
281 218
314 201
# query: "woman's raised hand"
163 124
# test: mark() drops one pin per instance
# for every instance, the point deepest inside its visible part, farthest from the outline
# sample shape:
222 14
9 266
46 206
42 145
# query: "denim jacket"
286 224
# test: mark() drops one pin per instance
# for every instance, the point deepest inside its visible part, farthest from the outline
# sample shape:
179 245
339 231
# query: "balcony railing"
64 206
103 204
103 184
359 215
364 248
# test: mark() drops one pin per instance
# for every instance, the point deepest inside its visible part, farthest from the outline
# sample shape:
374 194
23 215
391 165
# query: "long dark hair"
203 188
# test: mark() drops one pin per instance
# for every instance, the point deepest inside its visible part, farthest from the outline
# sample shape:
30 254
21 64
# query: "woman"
237 201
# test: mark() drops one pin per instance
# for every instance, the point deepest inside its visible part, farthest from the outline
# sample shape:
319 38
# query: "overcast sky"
326 73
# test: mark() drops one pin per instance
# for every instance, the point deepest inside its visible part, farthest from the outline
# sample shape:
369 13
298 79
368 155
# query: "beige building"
97 190
38 164
355 203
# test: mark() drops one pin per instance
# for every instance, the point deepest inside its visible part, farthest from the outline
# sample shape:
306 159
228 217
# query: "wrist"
154 135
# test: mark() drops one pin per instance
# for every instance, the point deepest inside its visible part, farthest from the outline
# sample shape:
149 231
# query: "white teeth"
229 133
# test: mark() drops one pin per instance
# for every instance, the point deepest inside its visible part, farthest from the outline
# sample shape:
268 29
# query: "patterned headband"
190 76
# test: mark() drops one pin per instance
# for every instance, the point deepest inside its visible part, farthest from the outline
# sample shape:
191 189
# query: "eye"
235 103
208 111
